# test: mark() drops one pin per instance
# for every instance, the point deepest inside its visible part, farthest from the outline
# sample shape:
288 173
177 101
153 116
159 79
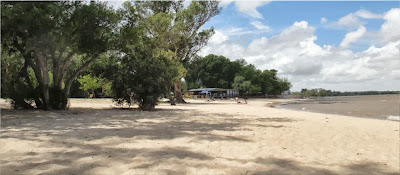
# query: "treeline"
219 71
54 50
319 92
138 52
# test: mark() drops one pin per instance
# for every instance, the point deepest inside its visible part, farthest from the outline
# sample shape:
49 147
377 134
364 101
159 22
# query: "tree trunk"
24 73
178 92
41 63
76 73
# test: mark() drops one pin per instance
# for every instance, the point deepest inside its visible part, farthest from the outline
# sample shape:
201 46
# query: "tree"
190 39
212 71
89 82
146 64
55 38
218 71
244 87
183 37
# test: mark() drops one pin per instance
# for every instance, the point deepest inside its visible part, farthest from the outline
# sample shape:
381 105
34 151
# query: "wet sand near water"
369 106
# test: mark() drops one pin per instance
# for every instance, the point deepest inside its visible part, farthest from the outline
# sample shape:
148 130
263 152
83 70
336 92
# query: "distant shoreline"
382 107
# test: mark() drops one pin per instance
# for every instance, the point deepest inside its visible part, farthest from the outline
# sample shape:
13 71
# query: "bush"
144 80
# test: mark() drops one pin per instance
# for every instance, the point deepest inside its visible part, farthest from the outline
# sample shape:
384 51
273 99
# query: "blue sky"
279 15
347 46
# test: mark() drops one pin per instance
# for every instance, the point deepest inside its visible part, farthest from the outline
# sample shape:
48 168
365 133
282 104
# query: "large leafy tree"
89 82
57 40
146 66
212 71
272 84
245 87
218 71
183 37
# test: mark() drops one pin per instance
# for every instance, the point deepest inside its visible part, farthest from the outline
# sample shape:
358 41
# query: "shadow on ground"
77 133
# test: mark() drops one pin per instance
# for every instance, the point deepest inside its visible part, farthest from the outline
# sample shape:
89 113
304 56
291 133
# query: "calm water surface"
371 106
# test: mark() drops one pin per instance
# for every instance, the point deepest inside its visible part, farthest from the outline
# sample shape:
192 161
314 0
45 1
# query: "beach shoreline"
382 107
200 137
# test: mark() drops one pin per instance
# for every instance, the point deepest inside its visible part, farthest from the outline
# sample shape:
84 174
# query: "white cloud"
225 3
367 14
230 50
250 7
323 20
353 20
353 36
218 37
306 64
350 21
260 26
390 30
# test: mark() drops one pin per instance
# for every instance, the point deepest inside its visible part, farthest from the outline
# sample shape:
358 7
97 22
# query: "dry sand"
197 138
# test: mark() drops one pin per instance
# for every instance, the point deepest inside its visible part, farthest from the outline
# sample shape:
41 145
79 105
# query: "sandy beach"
197 138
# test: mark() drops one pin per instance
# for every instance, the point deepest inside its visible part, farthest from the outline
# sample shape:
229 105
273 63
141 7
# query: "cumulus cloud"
390 30
353 36
353 20
350 21
306 64
225 3
367 14
218 37
260 26
250 7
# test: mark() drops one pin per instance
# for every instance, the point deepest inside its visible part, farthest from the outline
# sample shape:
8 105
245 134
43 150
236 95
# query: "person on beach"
245 100
237 100
211 100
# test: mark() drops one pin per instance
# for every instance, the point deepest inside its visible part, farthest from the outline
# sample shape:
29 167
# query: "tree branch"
64 67
76 73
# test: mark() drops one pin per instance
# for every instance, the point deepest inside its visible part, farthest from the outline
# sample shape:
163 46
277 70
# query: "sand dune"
197 138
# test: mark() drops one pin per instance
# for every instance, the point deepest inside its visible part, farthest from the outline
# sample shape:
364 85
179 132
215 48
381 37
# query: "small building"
213 92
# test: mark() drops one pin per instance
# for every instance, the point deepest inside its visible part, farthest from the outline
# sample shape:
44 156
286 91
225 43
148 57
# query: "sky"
345 46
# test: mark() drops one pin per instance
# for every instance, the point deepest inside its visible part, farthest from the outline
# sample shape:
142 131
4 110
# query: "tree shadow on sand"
75 130
286 166
77 133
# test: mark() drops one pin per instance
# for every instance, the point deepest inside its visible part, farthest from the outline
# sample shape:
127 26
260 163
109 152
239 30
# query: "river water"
370 106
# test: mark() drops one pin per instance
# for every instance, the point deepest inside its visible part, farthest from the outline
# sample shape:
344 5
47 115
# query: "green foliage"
146 78
107 89
213 71
244 87
89 82
177 29
184 87
146 68
56 41
11 64
218 71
